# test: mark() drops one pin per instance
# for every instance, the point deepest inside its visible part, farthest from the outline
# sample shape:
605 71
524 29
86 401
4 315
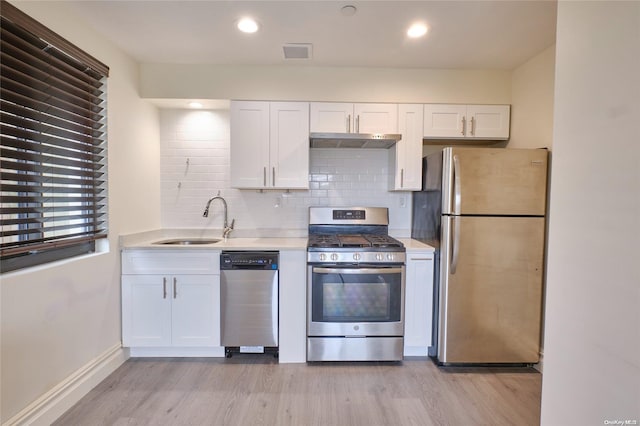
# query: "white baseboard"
46 409
159 352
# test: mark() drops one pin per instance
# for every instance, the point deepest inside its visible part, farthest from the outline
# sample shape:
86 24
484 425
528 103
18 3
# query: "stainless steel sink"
187 241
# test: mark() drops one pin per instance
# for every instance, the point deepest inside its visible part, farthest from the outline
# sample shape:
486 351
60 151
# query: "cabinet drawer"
171 262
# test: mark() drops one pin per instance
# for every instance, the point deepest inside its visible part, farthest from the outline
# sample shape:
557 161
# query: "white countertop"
415 245
230 244
146 240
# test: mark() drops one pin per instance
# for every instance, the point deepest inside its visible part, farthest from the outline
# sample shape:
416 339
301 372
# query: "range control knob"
356 256
390 256
334 257
323 257
379 256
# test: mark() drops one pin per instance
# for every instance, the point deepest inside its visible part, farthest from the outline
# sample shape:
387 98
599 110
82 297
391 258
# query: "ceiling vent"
297 50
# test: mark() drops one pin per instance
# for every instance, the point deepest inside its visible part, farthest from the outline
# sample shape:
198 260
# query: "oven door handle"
357 270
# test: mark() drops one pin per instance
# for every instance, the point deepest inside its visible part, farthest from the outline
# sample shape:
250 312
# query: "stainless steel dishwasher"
249 301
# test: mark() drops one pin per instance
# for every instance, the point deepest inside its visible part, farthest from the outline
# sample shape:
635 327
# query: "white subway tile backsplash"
337 177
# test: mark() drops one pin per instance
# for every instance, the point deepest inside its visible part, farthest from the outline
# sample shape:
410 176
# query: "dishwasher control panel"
249 260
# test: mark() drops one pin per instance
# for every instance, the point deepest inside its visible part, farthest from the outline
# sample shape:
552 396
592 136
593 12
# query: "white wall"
338 177
175 81
532 102
592 343
59 317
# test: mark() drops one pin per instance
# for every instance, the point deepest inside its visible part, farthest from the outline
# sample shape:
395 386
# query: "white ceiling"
462 34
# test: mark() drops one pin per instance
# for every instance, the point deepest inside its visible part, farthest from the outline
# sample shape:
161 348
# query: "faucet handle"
233 221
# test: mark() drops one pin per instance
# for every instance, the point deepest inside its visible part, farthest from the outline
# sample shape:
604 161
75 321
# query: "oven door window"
356 295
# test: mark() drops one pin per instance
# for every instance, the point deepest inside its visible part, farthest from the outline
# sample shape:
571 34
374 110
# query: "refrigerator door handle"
455 246
456 185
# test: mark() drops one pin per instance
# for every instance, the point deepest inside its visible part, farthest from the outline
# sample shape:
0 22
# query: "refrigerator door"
491 289
494 181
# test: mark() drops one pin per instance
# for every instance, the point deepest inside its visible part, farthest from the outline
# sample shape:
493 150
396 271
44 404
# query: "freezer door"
494 181
491 289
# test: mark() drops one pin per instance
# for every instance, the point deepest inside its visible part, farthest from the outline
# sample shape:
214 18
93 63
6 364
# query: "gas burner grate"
323 240
383 241
353 241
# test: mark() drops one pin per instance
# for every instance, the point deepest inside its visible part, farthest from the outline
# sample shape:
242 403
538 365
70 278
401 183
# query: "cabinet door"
249 144
195 310
418 311
443 121
376 118
146 310
488 122
331 117
407 153
289 145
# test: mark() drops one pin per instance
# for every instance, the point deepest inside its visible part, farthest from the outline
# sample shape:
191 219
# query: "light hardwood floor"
255 390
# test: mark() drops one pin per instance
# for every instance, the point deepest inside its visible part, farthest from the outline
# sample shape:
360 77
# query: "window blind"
53 145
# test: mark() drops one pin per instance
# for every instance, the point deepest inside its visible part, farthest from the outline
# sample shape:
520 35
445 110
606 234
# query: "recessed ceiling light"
247 25
195 105
417 30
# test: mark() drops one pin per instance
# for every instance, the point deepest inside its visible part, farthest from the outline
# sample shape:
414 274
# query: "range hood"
353 140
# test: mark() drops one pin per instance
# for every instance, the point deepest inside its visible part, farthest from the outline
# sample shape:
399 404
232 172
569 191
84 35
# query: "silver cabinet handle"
164 287
421 258
175 287
464 125
358 271
273 176
349 123
264 176
401 178
455 246
358 124
473 126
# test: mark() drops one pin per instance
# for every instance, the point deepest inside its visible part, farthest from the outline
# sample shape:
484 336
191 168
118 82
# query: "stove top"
352 235
353 241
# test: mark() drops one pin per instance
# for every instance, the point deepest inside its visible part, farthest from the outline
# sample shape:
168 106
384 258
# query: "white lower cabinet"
418 312
164 306
178 310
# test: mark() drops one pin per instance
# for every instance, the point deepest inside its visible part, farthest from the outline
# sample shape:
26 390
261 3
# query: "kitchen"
58 297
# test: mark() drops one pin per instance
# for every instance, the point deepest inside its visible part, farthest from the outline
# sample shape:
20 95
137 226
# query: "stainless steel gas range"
356 286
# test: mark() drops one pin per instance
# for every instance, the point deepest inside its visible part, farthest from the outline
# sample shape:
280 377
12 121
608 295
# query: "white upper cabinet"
339 117
479 122
289 145
405 157
330 117
489 121
249 144
269 145
376 118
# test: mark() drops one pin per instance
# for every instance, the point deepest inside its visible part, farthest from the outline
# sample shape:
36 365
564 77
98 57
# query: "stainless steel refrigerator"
484 209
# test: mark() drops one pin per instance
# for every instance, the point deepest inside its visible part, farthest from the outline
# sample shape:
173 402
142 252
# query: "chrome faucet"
227 229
